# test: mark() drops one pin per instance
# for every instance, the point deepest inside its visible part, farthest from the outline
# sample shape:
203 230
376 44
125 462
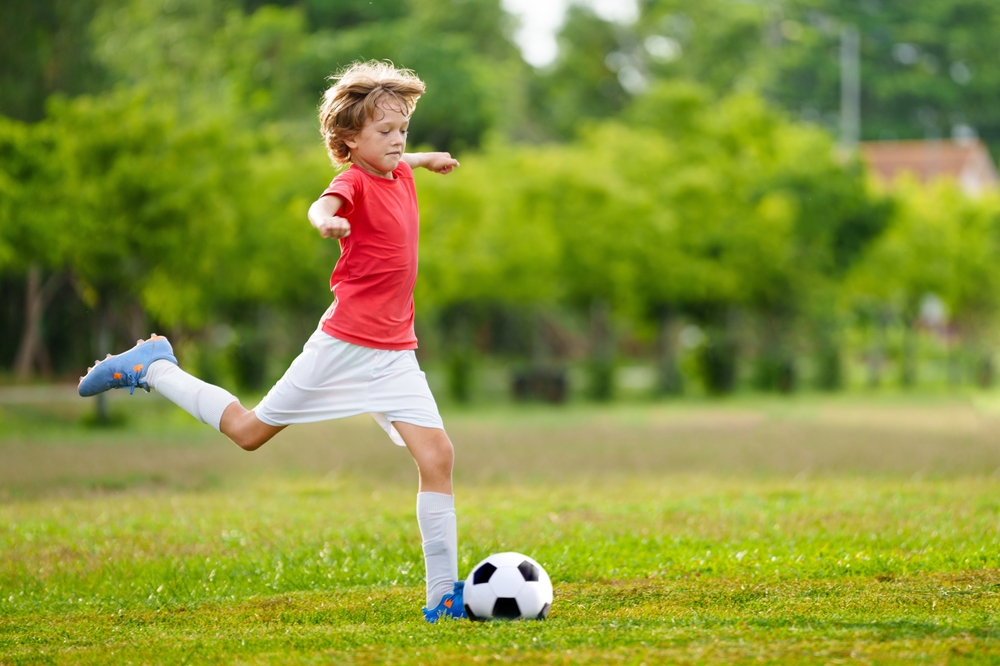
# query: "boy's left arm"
436 162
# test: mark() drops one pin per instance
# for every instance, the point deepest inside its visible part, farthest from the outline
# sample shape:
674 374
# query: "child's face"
379 145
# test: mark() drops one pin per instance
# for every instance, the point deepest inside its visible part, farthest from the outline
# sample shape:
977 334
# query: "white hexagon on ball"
508 586
506 581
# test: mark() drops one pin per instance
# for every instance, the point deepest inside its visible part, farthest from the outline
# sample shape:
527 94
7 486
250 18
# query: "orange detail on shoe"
448 603
137 368
117 375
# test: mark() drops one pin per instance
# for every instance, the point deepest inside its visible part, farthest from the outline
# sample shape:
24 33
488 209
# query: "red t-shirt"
374 278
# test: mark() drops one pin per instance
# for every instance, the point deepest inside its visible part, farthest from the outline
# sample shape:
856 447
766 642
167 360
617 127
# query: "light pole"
850 88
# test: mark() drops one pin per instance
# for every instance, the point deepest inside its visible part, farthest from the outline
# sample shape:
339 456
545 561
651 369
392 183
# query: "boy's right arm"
323 216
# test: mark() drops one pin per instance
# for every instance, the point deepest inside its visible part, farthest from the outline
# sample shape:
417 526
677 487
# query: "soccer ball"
508 586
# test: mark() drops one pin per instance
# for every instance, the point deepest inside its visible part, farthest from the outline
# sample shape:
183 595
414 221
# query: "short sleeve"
348 187
403 170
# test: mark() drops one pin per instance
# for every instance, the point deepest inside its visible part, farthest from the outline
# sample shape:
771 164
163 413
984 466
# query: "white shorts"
333 379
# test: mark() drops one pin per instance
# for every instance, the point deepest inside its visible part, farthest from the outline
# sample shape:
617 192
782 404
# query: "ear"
351 143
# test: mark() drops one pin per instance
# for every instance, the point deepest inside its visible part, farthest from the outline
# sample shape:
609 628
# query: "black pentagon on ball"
483 574
529 571
473 616
506 609
545 611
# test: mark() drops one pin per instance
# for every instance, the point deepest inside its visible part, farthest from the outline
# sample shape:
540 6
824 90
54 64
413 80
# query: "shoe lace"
130 378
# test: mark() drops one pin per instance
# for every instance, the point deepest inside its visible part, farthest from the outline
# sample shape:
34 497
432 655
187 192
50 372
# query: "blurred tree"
927 66
336 14
690 206
943 244
487 244
45 48
601 65
753 211
474 74
717 43
277 68
579 85
184 174
33 231
597 211
670 201
183 221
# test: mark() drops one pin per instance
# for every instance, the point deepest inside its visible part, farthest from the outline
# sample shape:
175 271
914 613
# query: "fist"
440 162
334 227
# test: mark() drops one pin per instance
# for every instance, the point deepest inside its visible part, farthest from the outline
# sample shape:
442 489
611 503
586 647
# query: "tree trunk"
909 362
669 380
829 358
103 347
602 352
135 322
720 352
876 353
31 353
460 358
539 347
775 365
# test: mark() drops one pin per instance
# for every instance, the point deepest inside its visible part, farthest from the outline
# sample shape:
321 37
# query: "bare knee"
435 466
441 458
433 453
248 442
245 429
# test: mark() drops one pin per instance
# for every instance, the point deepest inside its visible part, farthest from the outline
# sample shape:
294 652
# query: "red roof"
965 160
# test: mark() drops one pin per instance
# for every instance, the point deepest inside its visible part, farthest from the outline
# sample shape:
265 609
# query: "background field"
785 530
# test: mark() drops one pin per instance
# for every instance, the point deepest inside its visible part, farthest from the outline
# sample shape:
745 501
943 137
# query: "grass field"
805 530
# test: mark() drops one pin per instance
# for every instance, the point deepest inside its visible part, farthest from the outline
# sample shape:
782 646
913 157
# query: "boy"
360 359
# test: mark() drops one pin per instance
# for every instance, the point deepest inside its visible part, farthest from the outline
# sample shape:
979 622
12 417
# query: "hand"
334 227
439 162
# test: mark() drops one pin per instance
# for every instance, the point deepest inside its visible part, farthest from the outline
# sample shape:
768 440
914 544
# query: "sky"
540 21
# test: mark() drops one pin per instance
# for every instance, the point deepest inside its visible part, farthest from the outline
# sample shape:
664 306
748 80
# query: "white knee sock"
203 401
436 517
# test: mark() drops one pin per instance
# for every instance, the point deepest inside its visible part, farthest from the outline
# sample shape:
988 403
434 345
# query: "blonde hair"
354 96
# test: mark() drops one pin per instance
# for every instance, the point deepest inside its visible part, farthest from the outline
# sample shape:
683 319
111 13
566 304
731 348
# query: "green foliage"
486 237
466 93
678 185
689 203
926 66
459 370
45 48
940 242
161 209
33 217
578 85
274 67
718 43
118 161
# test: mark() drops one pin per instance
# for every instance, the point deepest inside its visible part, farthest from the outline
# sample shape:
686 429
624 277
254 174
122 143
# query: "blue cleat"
452 605
126 370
